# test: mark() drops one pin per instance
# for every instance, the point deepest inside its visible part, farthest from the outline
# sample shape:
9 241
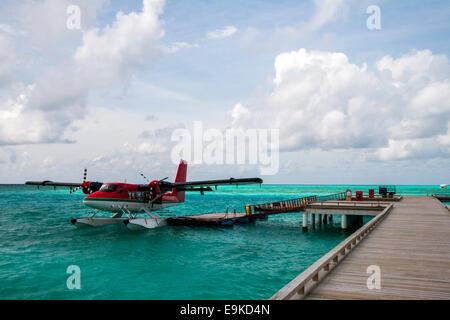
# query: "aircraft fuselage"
117 197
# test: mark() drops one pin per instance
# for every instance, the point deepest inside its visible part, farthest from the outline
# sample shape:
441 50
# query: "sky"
353 104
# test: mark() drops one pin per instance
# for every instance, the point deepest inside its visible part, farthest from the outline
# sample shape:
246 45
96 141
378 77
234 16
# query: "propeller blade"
144 177
75 190
84 180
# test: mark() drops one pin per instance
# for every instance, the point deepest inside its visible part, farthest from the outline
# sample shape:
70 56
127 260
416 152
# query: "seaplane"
137 206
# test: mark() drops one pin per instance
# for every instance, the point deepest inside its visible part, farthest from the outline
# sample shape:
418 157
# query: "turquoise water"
252 261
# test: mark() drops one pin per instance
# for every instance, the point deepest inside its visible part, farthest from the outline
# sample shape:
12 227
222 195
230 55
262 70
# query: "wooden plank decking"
206 219
412 248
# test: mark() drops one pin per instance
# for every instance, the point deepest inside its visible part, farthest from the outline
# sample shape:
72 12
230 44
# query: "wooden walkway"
412 248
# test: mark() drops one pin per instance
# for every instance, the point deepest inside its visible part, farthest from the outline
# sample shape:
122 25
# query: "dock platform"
216 218
410 245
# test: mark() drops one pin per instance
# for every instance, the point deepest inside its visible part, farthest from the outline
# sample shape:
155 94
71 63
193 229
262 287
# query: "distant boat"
443 186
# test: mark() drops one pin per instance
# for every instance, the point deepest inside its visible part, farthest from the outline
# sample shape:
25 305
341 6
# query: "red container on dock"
359 195
371 193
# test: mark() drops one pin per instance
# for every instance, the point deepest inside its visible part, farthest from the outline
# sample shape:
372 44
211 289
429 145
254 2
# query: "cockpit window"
109 188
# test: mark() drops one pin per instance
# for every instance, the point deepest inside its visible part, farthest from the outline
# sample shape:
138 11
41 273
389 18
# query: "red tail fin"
181 177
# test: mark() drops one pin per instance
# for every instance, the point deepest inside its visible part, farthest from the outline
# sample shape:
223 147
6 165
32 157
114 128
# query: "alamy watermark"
233 146
74 280
74 19
374 20
374 280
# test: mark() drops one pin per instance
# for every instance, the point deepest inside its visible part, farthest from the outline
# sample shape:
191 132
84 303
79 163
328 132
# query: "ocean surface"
252 261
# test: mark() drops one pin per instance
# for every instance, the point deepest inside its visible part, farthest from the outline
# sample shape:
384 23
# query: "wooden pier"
409 242
325 206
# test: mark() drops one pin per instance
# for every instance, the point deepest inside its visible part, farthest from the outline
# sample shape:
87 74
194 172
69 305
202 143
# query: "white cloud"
416 68
7 59
41 112
147 152
45 22
222 33
130 42
7 156
10 31
156 141
444 139
321 100
239 112
411 149
177 46
326 11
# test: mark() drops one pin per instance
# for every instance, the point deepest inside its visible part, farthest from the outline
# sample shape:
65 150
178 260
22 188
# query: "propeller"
163 185
144 177
161 182
160 186
84 180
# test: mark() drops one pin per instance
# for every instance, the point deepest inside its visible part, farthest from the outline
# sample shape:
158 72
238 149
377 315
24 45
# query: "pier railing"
310 278
336 196
350 204
291 205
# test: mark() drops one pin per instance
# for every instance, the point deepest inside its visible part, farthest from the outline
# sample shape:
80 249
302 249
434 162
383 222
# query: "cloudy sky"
353 105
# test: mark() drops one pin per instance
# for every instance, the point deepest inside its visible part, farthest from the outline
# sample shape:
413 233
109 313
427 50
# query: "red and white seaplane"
126 200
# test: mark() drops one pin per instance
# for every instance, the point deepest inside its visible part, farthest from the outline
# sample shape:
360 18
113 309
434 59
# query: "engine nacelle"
89 187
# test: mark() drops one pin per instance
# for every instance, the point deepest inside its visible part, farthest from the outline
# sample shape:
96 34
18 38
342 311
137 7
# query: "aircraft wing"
54 184
207 184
